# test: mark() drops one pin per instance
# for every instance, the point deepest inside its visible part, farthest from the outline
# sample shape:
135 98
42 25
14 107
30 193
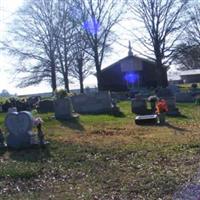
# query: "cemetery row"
101 102
19 122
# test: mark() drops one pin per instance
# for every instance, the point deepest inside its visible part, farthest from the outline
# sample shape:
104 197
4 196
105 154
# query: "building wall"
113 78
191 78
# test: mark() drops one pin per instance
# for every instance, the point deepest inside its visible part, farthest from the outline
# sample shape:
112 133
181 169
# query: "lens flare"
131 77
92 26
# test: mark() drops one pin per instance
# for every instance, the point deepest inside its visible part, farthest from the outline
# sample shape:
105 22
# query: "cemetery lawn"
105 157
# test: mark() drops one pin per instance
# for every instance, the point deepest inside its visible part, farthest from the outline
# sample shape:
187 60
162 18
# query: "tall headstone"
167 94
63 109
46 106
19 126
139 105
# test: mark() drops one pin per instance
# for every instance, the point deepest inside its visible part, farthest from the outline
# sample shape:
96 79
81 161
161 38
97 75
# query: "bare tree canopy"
161 20
82 66
32 42
193 28
97 18
43 38
187 56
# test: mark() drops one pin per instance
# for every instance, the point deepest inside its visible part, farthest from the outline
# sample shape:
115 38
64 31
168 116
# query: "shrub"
194 85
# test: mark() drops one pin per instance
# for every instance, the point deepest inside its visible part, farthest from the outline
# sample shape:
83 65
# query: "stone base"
175 112
64 117
146 119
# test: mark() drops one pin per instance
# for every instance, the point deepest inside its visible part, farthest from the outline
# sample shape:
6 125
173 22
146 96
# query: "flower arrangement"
153 98
37 121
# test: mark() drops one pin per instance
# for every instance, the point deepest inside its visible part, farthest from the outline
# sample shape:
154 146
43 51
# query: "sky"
7 79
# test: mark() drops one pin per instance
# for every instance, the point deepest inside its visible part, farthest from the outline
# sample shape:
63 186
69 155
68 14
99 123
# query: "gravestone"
1 109
19 126
63 109
164 92
12 109
170 98
184 97
46 106
139 105
174 89
93 104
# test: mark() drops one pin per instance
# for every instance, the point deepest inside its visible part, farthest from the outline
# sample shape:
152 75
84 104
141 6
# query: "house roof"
119 61
190 72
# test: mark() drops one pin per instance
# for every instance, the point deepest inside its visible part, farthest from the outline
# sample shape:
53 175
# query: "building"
191 76
129 72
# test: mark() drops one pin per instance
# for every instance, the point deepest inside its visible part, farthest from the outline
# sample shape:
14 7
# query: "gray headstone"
184 97
92 104
63 109
46 106
139 106
19 126
174 89
172 109
164 92
12 109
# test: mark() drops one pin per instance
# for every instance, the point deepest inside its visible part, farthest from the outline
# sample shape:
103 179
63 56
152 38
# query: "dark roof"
119 61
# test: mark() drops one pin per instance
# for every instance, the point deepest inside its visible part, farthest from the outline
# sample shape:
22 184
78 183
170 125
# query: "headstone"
139 106
184 97
1 109
164 92
170 98
19 126
93 104
12 109
63 109
46 106
173 88
172 109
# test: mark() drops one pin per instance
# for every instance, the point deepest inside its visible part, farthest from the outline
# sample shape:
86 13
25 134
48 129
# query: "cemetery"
80 119
88 154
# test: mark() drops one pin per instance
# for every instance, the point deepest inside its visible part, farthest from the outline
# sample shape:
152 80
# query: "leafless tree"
193 28
97 18
65 41
82 66
32 42
161 29
187 56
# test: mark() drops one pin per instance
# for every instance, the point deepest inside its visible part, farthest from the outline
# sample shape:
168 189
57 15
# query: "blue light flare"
131 77
91 26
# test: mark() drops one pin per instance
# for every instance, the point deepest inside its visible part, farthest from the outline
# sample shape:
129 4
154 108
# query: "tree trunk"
81 86
161 74
80 63
98 74
53 76
66 81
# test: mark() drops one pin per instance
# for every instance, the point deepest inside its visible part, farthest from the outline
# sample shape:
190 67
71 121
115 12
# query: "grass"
105 157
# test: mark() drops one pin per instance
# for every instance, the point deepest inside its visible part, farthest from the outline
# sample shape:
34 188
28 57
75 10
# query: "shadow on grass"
3 151
176 128
30 155
181 116
73 124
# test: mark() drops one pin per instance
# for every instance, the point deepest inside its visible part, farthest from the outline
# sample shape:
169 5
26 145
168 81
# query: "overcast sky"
7 80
